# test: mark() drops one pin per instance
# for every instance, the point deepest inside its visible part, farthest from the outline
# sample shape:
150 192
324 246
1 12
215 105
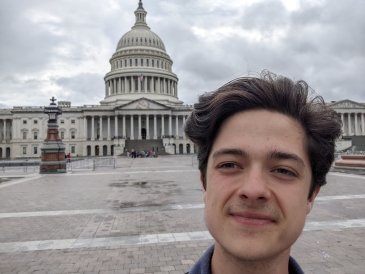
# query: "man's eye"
285 172
228 165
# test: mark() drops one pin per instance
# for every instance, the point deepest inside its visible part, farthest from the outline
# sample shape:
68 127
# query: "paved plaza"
146 216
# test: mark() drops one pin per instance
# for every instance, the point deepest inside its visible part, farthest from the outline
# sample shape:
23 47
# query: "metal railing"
92 163
19 165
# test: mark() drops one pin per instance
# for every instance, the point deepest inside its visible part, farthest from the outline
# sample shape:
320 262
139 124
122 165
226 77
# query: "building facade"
141 109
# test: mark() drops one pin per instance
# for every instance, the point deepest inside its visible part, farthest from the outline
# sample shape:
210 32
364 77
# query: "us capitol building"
141 109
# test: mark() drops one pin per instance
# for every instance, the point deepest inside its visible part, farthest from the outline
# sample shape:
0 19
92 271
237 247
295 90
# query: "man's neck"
223 262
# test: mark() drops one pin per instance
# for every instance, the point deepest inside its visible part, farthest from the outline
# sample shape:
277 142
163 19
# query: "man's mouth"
252 218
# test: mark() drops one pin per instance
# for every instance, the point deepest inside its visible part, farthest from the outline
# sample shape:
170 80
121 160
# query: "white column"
162 125
170 125
147 127
154 126
139 127
176 89
85 128
343 124
4 130
363 123
120 85
101 128
132 128
158 85
152 84
29 129
184 124
349 122
115 86
139 83
126 85
116 126
356 131
177 127
132 84
15 128
106 89
92 129
124 127
109 138
40 129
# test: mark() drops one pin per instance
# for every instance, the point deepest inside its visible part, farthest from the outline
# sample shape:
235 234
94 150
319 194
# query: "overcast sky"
62 48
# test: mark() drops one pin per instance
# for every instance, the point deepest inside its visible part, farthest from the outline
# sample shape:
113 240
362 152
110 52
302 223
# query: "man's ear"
310 201
202 183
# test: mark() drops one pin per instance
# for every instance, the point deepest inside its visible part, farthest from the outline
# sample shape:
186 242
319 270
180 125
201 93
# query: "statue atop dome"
140 5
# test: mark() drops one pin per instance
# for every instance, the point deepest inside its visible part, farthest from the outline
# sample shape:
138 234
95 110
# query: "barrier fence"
19 165
92 163
33 165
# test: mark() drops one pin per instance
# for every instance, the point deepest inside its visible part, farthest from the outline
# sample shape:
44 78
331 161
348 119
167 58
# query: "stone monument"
53 150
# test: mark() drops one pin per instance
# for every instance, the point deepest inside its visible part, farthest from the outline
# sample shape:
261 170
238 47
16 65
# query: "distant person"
265 146
69 157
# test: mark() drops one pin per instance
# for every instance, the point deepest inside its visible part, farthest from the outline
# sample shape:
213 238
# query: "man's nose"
254 186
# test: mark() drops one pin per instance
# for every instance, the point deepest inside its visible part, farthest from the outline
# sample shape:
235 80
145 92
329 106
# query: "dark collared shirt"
202 266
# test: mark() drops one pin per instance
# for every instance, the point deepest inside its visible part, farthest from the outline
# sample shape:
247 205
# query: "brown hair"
271 92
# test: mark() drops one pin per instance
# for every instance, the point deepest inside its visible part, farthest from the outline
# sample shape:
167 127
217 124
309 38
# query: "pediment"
347 104
143 104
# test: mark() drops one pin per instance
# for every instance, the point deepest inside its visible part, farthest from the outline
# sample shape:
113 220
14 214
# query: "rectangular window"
24 122
72 134
24 150
35 150
136 62
62 121
158 64
125 63
73 150
130 62
35 121
72 121
62 135
141 62
35 135
24 135
153 63
148 62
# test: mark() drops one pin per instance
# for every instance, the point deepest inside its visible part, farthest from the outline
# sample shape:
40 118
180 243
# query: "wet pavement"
146 216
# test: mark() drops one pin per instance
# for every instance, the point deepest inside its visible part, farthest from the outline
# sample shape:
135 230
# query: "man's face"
258 179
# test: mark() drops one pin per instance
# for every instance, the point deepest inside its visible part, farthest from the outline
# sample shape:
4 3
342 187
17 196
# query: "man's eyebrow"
286 156
230 151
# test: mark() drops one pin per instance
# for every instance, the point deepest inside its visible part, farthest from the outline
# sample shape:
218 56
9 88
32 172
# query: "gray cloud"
62 48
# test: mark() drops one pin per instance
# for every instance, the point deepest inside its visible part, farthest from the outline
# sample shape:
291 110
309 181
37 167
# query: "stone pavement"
146 216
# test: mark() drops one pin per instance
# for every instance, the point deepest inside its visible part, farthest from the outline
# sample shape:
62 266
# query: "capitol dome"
140 67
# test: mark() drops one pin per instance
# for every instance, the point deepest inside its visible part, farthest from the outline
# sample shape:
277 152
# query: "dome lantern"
140 15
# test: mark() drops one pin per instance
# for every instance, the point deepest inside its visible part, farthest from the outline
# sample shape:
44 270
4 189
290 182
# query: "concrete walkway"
146 216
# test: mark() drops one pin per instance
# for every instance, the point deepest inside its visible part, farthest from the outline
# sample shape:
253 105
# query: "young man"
265 146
